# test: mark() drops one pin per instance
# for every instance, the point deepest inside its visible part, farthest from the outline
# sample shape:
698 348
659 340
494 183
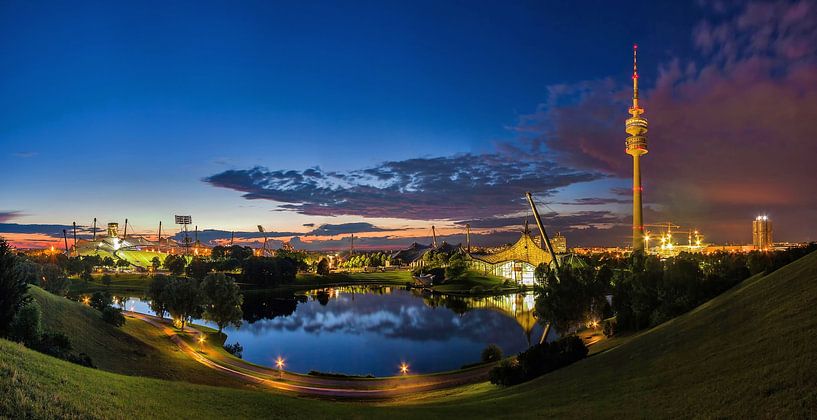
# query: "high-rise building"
559 243
762 233
636 127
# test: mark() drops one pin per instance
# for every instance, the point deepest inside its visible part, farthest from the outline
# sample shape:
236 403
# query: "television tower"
636 127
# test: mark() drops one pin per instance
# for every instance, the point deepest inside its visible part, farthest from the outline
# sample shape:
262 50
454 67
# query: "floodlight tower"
636 127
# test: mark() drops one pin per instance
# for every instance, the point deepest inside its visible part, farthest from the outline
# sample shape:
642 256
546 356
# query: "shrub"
113 316
477 290
106 279
492 353
538 360
26 327
236 349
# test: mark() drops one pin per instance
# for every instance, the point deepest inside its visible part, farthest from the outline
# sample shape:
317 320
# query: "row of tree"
645 290
216 298
372 259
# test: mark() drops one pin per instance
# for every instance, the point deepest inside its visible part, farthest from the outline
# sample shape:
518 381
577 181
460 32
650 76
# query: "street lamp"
404 368
201 342
279 362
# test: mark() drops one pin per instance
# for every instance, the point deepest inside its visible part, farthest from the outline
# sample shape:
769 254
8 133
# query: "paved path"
377 388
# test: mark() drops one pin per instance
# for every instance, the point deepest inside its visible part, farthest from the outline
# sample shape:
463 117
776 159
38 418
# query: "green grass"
122 284
747 353
134 349
472 279
306 281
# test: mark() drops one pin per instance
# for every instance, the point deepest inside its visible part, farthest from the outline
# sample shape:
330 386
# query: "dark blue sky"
94 93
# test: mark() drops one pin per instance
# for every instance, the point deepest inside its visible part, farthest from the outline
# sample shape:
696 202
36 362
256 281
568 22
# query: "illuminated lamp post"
279 363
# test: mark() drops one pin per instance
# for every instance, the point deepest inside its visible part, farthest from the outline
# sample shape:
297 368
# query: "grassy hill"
135 349
746 353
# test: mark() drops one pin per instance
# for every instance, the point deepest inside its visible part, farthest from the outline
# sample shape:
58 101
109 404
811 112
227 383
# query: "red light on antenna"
635 46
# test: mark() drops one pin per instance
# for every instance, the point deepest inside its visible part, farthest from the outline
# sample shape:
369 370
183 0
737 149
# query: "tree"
108 262
106 279
100 300
155 262
28 271
570 301
323 267
198 268
26 327
156 294
223 300
54 280
13 288
122 263
183 299
175 264
457 267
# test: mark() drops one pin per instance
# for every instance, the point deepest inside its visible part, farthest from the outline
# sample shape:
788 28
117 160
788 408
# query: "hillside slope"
747 353
135 349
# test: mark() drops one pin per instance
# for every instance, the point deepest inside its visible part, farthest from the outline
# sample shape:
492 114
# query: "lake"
364 330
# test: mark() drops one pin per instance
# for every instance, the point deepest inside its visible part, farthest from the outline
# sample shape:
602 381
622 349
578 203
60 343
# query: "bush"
477 290
26 327
236 349
106 279
538 360
492 353
113 316
54 344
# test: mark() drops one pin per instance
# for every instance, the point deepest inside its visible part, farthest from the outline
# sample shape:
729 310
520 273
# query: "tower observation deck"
636 146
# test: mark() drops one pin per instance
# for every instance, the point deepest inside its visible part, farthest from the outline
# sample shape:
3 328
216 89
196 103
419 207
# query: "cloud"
6 216
217 236
43 229
24 155
423 188
732 132
346 228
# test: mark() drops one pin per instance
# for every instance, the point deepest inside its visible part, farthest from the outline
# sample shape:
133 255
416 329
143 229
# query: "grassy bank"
122 284
746 353
134 349
474 282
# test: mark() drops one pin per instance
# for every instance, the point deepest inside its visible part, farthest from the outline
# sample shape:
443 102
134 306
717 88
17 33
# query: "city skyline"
384 129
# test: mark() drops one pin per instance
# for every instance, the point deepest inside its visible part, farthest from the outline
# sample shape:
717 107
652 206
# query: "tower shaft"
638 220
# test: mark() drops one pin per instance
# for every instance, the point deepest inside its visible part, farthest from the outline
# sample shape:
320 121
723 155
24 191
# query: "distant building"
559 243
762 233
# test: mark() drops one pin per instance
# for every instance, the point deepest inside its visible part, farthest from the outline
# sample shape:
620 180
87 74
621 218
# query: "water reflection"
371 329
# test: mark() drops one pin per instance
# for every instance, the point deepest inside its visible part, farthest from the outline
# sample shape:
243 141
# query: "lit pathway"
377 388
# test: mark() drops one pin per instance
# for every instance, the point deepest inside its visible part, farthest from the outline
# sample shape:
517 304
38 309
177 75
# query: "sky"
322 119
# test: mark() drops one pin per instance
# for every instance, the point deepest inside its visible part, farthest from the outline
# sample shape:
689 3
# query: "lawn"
471 280
122 284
